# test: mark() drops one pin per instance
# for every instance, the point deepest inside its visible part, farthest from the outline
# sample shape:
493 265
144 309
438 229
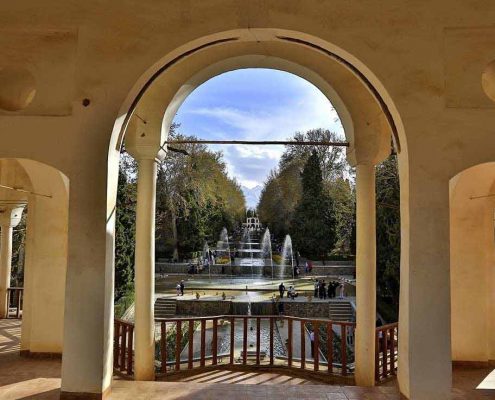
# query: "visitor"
281 290
177 289
332 286
310 266
306 267
317 287
341 289
312 340
292 293
182 288
323 289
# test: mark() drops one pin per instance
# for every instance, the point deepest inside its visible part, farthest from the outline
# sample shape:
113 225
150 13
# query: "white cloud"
305 108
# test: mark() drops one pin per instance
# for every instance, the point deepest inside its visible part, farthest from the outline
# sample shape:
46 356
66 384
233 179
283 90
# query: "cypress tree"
313 224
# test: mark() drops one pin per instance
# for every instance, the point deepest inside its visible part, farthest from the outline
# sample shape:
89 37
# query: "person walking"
182 288
324 289
317 287
177 289
341 289
281 290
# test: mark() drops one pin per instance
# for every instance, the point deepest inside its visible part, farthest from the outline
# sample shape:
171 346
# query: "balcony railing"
386 351
257 341
123 353
254 341
14 302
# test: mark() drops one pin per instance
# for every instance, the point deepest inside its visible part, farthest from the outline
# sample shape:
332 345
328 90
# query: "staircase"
165 307
341 311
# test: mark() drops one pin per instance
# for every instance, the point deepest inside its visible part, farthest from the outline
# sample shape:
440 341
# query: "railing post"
377 355
316 327
214 342
385 352
130 342
343 345
244 341
303 344
19 302
116 344
203 343
393 369
289 344
191 343
232 339
163 346
258 339
272 328
123 342
178 340
330 347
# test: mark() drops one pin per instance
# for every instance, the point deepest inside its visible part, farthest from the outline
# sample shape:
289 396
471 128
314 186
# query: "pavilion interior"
79 81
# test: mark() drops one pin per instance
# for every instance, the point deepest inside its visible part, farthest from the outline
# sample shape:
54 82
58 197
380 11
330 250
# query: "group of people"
322 292
291 293
180 288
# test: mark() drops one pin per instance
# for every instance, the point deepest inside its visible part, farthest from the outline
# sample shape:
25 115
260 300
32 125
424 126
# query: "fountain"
287 257
223 250
266 249
206 257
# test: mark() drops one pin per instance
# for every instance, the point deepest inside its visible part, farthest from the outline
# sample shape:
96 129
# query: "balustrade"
191 343
14 302
386 351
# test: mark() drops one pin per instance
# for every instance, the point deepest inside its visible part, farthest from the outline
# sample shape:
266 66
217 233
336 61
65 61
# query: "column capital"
10 215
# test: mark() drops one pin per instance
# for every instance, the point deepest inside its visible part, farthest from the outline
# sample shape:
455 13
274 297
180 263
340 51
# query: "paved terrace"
26 378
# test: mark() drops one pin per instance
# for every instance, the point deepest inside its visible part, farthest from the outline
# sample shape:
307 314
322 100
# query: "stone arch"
472 264
45 191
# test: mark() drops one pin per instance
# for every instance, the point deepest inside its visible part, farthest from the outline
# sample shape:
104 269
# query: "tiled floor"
23 378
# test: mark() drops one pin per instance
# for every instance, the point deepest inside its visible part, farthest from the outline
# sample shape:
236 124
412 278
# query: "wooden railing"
190 343
386 351
14 301
123 353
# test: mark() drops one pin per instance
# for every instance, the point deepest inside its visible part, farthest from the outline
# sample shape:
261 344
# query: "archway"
472 265
366 114
43 191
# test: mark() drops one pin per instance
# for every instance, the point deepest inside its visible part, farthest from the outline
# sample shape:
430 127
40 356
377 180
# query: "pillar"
5 266
145 271
365 275
87 366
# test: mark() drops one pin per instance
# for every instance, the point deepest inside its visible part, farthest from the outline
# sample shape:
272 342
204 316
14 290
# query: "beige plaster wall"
418 55
472 264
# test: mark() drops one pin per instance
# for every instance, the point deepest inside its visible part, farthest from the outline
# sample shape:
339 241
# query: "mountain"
252 195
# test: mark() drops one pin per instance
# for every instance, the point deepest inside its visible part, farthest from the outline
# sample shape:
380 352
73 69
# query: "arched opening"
472 266
39 193
369 120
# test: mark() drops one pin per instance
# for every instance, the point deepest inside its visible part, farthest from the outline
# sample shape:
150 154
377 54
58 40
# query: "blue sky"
254 104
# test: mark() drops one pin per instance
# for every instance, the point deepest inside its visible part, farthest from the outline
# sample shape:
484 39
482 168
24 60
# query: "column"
5 266
365 275
145 271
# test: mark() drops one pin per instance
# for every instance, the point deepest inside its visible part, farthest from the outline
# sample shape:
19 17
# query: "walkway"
22 378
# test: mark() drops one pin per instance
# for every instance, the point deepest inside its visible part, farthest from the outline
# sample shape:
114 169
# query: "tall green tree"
125 227
388 236
195 199
313 225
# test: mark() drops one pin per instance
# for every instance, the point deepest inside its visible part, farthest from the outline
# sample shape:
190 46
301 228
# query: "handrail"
386 351
322 320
